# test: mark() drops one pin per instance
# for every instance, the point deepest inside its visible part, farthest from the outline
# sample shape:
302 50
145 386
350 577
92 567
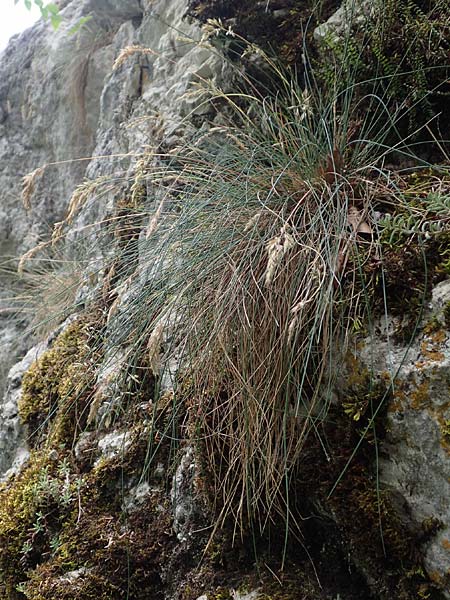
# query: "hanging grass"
244 262
254 269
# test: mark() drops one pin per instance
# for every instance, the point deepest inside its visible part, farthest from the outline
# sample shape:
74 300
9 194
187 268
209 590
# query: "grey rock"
281 13
415 457
113 445
182 495
73 576
13 446
349 14
136 497
50 89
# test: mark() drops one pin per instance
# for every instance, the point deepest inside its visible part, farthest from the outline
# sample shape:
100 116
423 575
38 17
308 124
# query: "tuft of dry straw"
154 348
213 28
79 197
357 222
292 329
25 257
29 185
119 292
57 232
251 223
128 51
276 248
97 401
153 223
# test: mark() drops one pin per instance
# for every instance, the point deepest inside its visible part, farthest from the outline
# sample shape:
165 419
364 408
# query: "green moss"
113 553
289 591
32 508
17 511
442 250
55 386
220 594
66 536
445 431
292 585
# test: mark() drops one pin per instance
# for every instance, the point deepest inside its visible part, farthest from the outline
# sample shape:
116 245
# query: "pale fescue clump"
242 246
247 271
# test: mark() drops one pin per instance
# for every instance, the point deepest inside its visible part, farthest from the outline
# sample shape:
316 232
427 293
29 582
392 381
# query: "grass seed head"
128 51
29 185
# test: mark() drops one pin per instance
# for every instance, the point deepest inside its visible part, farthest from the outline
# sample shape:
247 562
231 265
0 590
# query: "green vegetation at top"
50 11
404 48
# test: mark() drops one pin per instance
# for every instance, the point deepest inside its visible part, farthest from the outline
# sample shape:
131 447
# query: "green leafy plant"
404 46
426 215
50 11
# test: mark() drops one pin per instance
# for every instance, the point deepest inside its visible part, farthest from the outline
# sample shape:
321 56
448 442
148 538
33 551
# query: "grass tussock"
245 264
257 258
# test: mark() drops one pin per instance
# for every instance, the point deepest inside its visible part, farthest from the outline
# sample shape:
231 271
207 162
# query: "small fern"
406 45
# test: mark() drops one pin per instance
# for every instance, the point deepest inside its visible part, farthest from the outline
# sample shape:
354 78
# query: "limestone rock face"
50 91
415 458
63 105
351 12
13 448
